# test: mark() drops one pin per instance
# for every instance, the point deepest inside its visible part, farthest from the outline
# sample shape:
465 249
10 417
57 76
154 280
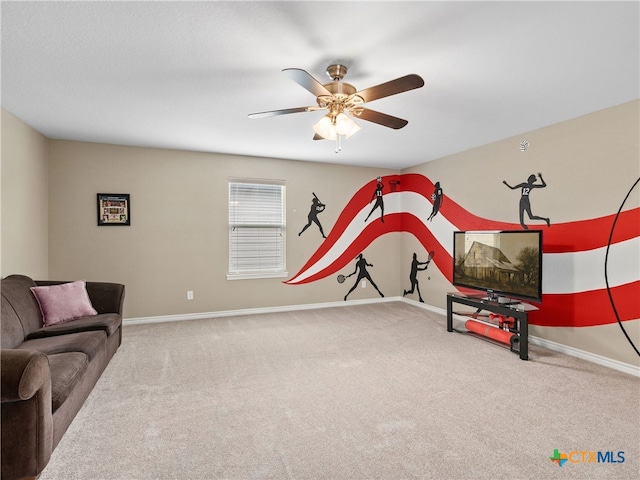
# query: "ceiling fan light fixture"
345 125
325 128
329 127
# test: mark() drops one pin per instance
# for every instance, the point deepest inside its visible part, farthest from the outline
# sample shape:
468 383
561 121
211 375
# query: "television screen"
502 263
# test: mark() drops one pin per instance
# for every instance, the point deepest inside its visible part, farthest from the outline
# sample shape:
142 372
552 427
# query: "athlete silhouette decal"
317 207
417 266
525 205
361 270
377 195
436 196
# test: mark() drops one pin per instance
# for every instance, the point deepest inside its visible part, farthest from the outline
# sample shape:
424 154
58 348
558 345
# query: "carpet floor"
378 391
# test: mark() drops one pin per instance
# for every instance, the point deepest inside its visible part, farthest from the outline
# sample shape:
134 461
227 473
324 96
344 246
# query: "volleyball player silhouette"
377 194
361 269
525 205
436 196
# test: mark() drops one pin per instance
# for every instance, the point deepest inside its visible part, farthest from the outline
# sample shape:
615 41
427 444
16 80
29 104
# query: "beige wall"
178 238
589 164
25 199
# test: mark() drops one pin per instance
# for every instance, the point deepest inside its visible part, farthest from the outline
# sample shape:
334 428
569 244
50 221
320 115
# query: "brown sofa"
48 372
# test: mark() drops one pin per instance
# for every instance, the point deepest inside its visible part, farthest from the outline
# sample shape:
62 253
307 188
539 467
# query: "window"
256 229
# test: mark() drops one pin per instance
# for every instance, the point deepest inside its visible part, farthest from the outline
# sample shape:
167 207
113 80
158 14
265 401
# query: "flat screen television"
506 264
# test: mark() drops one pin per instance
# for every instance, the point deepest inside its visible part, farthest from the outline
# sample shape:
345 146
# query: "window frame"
257 273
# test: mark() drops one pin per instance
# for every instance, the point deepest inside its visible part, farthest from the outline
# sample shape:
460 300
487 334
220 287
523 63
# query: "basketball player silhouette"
377 194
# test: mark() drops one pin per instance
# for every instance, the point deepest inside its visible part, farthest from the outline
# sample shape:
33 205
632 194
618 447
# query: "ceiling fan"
343 102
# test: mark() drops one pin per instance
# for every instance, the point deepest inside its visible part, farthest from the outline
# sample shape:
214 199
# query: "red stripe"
586 309
559 238
359 200
454 213
373 230
394 222
580 309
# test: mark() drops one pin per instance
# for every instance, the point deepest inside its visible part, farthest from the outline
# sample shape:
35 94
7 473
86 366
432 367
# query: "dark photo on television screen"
504 263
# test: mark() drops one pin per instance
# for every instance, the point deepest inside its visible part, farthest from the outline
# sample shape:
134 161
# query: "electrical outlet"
364 283
189 294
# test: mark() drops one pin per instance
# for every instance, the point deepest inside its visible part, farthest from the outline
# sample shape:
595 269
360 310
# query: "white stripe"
392 204
440 227
396 202
583 271
570 272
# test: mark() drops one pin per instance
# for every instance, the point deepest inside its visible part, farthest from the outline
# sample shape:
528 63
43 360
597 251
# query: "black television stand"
518 311
502 300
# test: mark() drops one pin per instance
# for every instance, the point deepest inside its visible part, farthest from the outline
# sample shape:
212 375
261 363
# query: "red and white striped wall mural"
575 290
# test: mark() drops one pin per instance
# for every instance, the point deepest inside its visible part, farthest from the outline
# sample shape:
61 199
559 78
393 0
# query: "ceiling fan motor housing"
342 94
336 71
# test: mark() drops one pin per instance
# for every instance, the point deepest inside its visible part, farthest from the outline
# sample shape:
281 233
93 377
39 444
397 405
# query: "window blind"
256 229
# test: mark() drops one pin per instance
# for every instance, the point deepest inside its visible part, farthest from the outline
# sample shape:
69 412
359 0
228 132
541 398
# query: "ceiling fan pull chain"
338 143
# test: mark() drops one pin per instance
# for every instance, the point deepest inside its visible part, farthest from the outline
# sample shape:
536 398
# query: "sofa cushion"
89 343
64 302
66 370
15 289
108 322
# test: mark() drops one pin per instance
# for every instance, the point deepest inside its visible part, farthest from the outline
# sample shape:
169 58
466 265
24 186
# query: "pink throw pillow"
64 302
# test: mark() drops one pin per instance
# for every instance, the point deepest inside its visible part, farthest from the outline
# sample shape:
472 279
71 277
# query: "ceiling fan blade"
275 113
382 119
305 80
399 85
318 137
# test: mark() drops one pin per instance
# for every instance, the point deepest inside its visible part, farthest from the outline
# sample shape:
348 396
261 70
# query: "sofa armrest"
105 297
22 374
27 423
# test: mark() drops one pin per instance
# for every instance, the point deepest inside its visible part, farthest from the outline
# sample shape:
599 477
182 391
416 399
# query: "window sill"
256 275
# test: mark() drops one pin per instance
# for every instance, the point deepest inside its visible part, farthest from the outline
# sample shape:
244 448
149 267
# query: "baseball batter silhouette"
316 208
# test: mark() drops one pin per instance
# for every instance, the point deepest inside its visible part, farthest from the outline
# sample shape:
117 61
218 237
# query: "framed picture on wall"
114 209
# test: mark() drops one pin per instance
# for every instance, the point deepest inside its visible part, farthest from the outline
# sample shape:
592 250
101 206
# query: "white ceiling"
184 75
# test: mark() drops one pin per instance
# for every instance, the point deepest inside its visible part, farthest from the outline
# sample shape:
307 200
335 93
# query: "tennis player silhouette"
525 204
361 269
413 276
316 208
377 194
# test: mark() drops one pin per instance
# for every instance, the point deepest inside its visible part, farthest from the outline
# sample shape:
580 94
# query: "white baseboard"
591 357
252 311
557 347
